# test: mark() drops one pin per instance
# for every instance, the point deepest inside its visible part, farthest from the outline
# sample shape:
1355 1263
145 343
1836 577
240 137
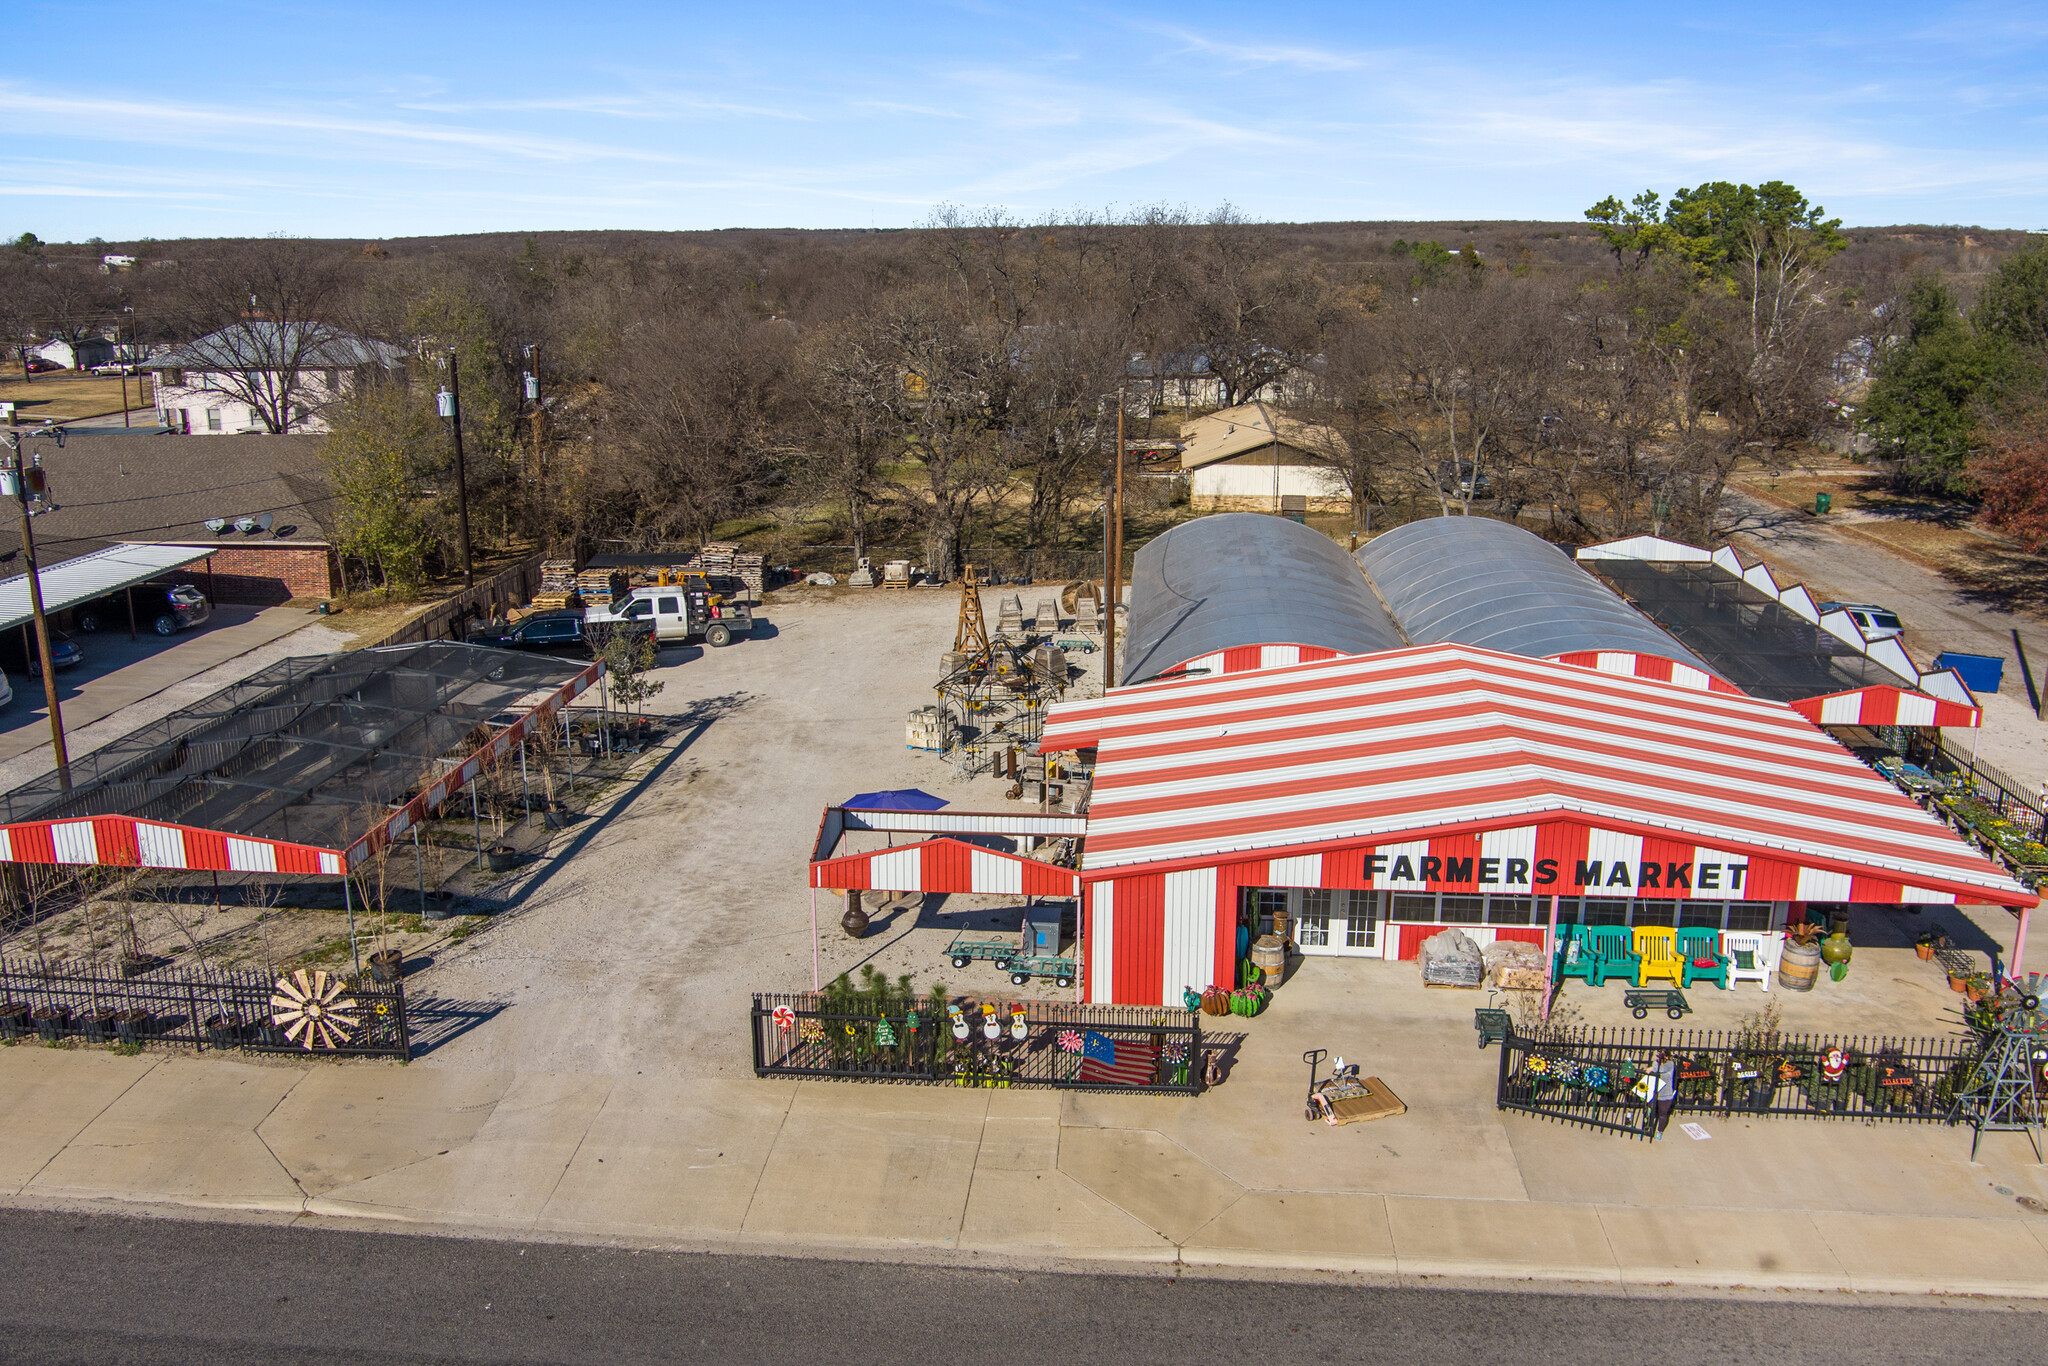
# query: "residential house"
264 376
1251 457
270 495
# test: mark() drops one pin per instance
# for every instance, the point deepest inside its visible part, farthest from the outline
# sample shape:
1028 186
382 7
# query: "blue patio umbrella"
899 799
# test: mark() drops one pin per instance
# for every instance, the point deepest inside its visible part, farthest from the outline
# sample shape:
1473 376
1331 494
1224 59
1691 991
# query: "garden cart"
1672 1003
1022 969
964 950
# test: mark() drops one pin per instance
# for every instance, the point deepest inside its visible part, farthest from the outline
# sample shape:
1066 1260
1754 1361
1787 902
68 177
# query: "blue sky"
368 119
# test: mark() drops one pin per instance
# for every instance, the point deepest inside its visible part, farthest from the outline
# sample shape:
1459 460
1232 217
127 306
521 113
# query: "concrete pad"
1298 1229
185 1133
870 1164
49 1095
1049 1213
502 1177
1149 1176
1694 1246
1918 1256
342 1125
671 1158
1499 1238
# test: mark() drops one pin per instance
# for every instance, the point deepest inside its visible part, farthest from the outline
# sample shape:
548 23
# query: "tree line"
956 386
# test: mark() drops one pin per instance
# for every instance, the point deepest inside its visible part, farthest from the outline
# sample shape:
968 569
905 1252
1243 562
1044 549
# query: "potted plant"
14 1021
502 858
387 965
50 1022
1927 943
224 1031
99 1024
1977 987
131 1026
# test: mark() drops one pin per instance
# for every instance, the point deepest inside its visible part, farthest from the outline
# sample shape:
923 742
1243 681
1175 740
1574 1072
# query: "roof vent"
245 525
216 525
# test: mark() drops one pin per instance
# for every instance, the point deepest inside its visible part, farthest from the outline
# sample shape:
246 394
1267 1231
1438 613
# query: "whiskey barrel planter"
50 1022
1799 966
99 1025
14 1020
131 1026
502 858
387 965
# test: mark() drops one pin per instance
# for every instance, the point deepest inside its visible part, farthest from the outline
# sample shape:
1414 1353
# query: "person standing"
1663 1094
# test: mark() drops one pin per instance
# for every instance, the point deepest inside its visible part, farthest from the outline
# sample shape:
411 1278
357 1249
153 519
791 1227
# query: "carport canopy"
90 577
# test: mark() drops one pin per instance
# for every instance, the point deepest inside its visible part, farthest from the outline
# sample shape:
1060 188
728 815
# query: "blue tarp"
899 799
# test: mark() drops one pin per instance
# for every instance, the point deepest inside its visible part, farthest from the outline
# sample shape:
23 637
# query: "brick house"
161 491
264 377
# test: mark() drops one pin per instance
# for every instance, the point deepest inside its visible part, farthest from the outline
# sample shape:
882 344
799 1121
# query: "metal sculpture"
314 1009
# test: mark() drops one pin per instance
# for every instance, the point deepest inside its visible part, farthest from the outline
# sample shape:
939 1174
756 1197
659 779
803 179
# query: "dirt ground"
639 947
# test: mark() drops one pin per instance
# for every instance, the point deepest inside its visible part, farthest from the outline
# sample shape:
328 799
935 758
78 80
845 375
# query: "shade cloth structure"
1766 636
88 577
1245 584
1354 756
894 799
1477 581
307 766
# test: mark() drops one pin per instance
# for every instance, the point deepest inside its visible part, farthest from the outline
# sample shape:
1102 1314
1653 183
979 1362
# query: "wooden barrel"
1798 966
1269 954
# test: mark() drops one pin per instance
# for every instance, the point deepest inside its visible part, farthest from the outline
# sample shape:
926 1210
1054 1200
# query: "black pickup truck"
557 633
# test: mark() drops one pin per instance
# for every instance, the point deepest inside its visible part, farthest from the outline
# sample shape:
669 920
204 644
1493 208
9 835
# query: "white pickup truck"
679 614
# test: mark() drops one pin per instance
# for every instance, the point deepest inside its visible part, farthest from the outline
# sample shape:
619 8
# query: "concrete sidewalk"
1233 1180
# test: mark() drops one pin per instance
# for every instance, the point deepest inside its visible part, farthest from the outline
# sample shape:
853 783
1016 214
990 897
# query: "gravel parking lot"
636 943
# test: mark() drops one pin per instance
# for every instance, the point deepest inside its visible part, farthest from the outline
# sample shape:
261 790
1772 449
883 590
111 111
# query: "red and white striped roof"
945 865
1417 742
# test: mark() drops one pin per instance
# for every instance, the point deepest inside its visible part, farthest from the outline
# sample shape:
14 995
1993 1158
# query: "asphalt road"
113 1290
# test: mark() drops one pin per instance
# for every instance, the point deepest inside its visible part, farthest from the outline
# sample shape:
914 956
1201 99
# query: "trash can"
1822 502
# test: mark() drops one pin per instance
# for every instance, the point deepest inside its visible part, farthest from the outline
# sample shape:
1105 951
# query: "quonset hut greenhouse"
1463 729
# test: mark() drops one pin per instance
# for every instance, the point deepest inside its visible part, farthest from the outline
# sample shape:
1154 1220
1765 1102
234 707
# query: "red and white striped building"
1383 797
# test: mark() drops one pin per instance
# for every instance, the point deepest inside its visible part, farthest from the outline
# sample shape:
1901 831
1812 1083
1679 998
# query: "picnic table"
1672 1003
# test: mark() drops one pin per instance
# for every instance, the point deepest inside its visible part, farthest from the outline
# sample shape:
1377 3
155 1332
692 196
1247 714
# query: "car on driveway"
41 365
163 608
1877 623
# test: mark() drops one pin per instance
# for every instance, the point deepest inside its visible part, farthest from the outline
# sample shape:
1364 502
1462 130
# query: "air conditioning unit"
216 525
245 525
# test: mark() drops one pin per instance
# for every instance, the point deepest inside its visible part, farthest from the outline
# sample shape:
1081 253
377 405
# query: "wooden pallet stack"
726 560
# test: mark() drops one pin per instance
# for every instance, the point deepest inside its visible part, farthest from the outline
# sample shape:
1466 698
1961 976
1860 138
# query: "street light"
27 483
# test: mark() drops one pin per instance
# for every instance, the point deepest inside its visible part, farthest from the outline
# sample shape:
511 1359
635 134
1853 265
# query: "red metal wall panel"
205 849
1770 880
1241 657
1344 869
1140 939
1673 862
1413 935
295 858
1875 890
1461 851
1512 934
945 866
114 837
1561 844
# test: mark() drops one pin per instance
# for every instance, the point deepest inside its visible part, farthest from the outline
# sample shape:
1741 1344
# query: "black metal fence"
1587 1076
200 1008
2011 796
1157 1050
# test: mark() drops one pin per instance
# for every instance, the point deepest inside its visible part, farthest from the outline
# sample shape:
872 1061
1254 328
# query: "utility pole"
451 408
26 481
1113 576
532 379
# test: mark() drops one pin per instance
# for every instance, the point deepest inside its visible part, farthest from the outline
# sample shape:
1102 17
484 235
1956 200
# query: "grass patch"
124 1050
67 397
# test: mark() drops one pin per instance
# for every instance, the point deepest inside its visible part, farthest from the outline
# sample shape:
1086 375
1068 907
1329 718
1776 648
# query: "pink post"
1549 956
2019 945
814 939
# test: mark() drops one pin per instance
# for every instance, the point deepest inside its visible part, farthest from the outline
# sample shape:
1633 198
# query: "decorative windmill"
314 1009
2004 1093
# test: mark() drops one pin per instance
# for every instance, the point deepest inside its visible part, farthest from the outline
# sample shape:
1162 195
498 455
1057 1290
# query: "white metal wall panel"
252 856
1102 942
162 846
1188 956
1843 627
1616 662
1413 851
1274 656
1921 896
1759 577
1818 885
897 870
1892 655
6 845
1610 848
1727 891
993 873
1519 842
74 842
1846 710
1947 684
1685 676
1800 602
1303 871
1915 710
967 822
1729 560
330 863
